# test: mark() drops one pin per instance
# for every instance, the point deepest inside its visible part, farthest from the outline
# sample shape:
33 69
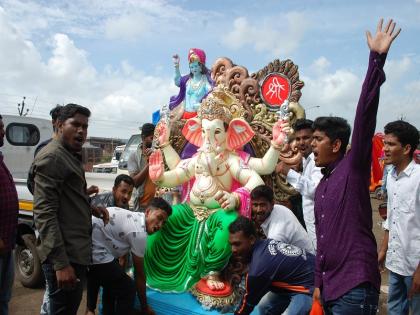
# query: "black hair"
334 128
54 112
70 110
244 225
263 191
405 132
147 130
1 117
302 124
160 203
123 178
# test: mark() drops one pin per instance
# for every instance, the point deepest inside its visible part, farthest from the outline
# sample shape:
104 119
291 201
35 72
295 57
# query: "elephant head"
216 135
215 128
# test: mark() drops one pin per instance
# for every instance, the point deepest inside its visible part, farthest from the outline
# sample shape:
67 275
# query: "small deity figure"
193 87
193 244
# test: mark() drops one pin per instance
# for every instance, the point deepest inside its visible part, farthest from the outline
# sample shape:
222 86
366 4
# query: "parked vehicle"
130 147
23 134
112 166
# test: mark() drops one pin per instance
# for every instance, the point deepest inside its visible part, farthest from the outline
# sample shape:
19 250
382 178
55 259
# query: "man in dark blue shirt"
284 271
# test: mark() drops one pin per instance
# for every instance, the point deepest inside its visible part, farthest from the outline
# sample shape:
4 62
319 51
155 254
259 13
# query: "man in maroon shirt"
346 268
9 208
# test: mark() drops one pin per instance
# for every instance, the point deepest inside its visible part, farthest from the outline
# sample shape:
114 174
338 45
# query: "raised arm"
177 74
171 156
367 107
268 162
181 174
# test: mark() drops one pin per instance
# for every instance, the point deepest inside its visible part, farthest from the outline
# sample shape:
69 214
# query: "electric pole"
21 108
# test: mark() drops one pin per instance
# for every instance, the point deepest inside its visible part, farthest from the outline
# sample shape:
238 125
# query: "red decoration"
275 89
202 287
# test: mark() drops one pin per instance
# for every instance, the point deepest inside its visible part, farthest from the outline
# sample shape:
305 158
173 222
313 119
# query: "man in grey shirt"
138 168
62 212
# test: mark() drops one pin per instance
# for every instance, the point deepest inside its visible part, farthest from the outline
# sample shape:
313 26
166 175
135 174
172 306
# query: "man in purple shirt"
347 277
9 208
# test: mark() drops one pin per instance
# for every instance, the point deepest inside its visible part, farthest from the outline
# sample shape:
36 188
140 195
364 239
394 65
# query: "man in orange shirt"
138 168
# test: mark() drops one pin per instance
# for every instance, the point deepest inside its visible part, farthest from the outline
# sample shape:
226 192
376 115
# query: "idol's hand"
156 166
226 200
280 131
163 133
175 59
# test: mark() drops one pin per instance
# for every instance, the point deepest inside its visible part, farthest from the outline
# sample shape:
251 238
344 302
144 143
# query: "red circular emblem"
275 89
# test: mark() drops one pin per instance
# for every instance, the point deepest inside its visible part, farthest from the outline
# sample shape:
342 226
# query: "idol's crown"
221 104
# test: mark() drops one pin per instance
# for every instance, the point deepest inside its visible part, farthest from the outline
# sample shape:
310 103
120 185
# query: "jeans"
398 302
64 301
361 300
119 289
290 303
7 274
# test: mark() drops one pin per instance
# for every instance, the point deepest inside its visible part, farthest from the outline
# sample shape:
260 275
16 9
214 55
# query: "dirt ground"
28 301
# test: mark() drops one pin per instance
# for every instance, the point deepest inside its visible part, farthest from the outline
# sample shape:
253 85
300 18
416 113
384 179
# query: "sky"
115 56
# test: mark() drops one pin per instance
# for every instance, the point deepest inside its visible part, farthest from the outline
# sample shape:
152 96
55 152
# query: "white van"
22 136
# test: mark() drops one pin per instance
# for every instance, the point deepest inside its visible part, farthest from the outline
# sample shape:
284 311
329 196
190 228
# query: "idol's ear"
192 131
239 133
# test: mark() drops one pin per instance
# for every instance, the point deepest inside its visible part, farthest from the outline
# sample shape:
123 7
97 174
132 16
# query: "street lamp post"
312 107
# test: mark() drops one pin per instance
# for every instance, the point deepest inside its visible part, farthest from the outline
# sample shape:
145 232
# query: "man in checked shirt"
347 276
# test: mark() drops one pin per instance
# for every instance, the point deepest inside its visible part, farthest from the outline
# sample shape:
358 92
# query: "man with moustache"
284 271
119 196
401 243
307 181
62 212
346 266
276 221
126 233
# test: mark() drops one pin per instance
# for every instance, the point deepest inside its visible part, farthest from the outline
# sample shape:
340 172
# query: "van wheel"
27 263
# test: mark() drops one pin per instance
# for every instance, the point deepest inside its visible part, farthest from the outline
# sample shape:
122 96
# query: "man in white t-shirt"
126 232
401 244
307 181
276 221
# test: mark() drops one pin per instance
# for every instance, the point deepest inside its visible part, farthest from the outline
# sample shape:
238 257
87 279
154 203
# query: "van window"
22 134
130 147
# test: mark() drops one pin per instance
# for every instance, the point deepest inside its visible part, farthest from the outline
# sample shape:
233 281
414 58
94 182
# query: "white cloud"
396 69
414 86
337 93
115 19
268 35
320 65
128 27
121 98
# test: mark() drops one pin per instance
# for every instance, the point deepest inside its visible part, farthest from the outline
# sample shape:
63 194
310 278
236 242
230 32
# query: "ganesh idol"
193 244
